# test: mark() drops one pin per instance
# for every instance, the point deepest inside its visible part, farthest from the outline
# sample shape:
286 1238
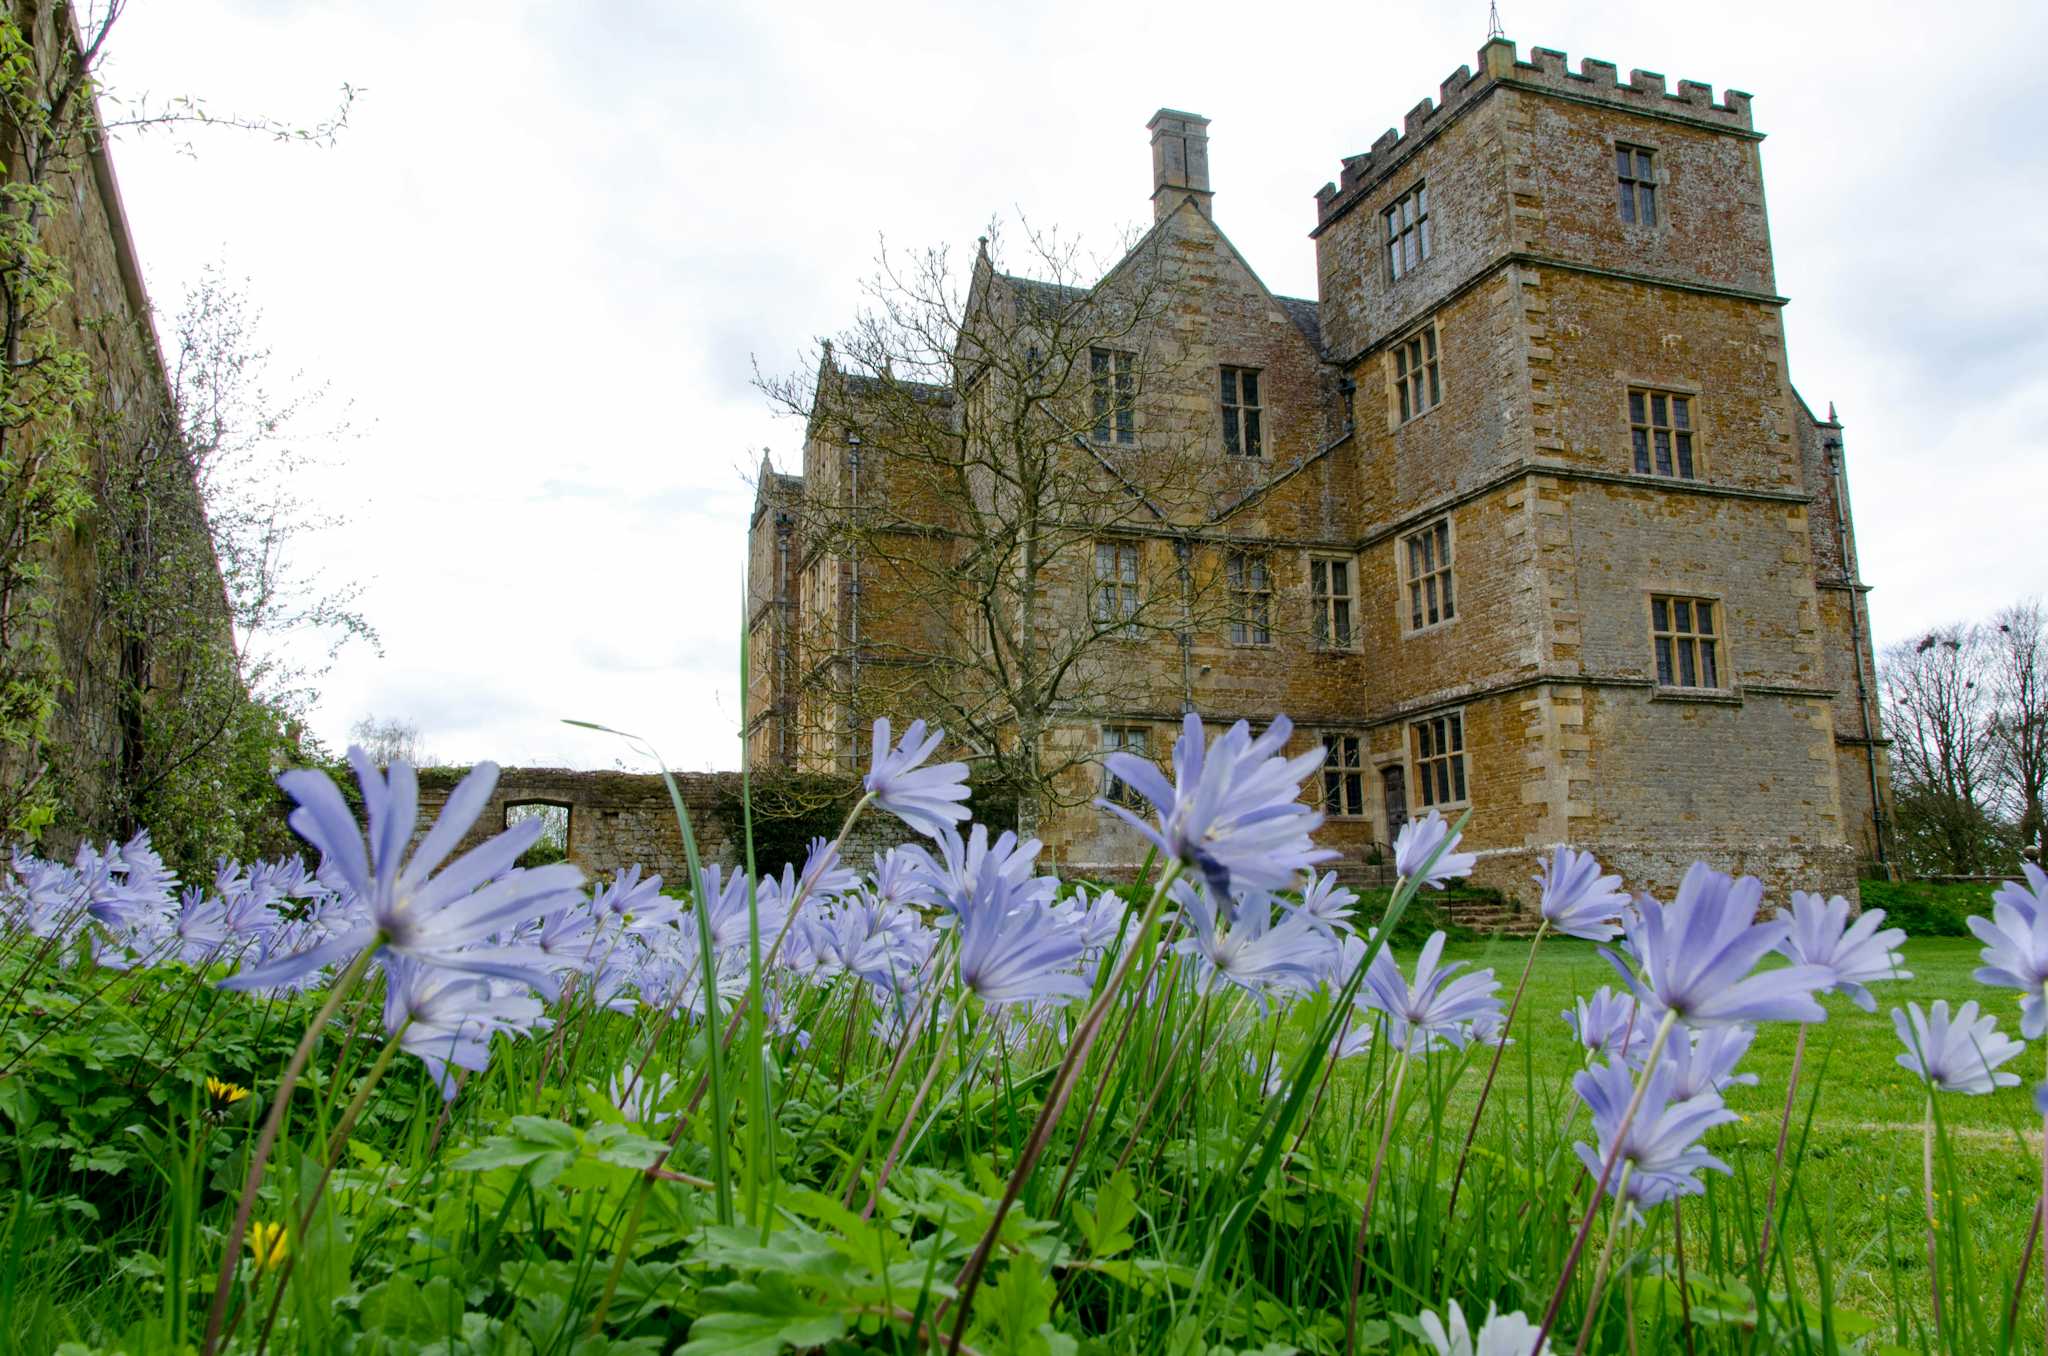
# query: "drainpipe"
1832 445
1182 553
853 638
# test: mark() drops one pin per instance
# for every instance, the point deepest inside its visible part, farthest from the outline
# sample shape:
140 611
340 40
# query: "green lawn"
1863 1156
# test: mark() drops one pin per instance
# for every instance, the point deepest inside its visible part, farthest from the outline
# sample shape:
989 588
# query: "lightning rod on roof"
1493 28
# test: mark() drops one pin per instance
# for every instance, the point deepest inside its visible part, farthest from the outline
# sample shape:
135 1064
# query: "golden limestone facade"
1536 524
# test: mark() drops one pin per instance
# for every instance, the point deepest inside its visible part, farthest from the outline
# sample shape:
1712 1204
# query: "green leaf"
1017 1309
1106 1226
760 1320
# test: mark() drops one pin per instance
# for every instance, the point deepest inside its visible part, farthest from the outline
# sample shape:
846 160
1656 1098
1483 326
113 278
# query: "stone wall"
620 819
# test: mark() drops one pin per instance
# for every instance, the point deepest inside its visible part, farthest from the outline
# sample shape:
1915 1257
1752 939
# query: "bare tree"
1012 542
2019 719
1938 710
389 740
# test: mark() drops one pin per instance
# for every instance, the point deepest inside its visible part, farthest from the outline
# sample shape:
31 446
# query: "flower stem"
267 1140
1055 1103
1372 1192
1684 1296
1927 1184
924 1089
1763 1246
1507 1027
1165 1077
1628 1117
1599 1291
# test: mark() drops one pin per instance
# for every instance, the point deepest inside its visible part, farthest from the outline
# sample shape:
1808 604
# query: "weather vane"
1493 28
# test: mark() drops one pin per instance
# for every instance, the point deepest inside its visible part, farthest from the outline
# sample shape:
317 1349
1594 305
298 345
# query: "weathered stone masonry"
621 819
1544 307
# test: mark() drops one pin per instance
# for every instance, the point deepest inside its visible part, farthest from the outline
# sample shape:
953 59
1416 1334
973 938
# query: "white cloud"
541 259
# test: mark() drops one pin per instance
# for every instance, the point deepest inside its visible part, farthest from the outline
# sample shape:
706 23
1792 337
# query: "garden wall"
618 819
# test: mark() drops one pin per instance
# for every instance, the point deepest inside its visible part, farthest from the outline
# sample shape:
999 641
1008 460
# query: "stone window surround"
1658 183
1649 386
542 803
1723 671
1429 337
1248 576
1249 440
1116 595
1123 738
1346 774
1446 569
1396 231
1323 604
1113 395
1455 763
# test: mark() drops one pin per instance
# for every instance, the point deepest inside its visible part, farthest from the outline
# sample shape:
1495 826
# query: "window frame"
1324 601
1400 227
1414 366
1414 587
1119 621
1706 649
1244 421
1241 565
1637 184
1684 441
1115 738
1454 763
1113 396
1344 768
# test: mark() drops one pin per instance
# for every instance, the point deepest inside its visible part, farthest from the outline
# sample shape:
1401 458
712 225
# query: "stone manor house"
1521 514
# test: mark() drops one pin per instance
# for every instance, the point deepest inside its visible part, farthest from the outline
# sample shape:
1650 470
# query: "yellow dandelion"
225 1095
268 1244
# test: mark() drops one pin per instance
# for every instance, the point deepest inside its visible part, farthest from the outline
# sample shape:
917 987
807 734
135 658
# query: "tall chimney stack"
1180 161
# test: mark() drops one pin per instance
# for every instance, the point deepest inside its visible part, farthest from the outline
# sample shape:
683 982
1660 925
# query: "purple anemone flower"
1439 1007
445 1018
1697 956
634 902
1662 1149
1418 839
439 919
1013 954
1327 905
1612 1025
2015 956
1097 922
1241 946
953 876
2030 897
1856 953
1962 1055
926 798
1233 811
899 879
1704 1060
1578 900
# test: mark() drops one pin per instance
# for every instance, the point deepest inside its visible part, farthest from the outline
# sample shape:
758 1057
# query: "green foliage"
790 809
46 389
1928 908
490 1224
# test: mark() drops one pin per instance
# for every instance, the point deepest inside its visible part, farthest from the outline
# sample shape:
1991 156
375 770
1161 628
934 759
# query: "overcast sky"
541 261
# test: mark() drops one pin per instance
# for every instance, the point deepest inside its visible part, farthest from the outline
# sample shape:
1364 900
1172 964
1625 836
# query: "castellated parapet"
1547 69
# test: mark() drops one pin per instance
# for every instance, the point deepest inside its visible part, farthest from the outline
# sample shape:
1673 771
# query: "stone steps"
1488 918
